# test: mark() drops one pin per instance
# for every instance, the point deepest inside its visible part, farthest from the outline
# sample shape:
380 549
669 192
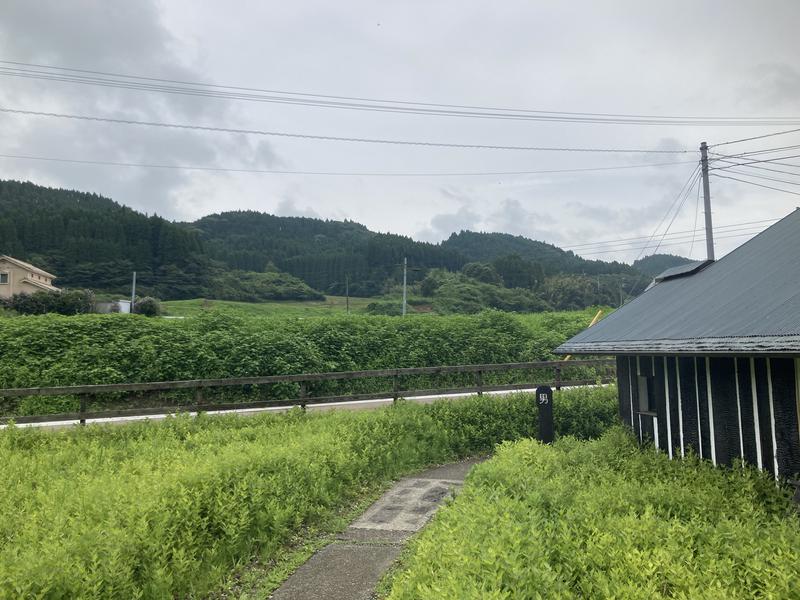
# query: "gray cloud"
731 58
442 225
287 207
119 37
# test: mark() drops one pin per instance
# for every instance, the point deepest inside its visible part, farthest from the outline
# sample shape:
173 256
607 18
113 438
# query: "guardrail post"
82 399
558 377
303 395
198 395
479 380
395 388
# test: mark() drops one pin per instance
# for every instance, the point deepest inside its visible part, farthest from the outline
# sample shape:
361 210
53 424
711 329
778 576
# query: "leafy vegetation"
604 519
92 242
86 349
457 293
154 510
330 306
66 302
489 247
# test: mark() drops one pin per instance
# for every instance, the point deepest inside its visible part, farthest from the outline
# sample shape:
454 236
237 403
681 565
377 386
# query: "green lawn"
286 308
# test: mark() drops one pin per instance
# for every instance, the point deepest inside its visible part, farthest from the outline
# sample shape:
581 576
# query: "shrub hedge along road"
604 519
167 509
91 349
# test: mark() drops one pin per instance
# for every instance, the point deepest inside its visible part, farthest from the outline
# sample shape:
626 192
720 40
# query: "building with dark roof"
708 357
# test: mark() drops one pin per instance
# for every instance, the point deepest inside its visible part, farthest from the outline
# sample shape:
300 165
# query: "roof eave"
777 345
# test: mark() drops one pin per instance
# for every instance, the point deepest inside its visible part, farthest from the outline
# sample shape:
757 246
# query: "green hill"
322 253
487 247
656 264
92 241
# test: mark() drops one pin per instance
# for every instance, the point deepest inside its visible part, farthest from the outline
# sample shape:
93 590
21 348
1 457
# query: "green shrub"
604 519
86 349
161 510
147 306
65 302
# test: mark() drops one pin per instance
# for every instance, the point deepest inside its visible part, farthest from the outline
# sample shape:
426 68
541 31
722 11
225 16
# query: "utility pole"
405 281
133 291
707 201
347 292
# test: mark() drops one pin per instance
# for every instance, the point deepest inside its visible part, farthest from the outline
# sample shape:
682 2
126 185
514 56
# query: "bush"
87 349
65 302
147 306
604 519
166 509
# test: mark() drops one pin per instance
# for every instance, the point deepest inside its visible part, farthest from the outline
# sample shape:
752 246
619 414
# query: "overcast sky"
723 58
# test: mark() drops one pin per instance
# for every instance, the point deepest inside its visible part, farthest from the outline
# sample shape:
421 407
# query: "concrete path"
349 568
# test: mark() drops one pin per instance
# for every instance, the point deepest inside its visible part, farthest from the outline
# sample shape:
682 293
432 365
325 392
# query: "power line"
332 173
118 80
677 210
769 187
687 186
330 137
775 161
723 237
671 237
757 137
759 152
729 164
764 177
721 228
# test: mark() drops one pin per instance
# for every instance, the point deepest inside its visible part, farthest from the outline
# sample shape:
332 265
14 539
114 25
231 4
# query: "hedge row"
90 349
604 519
157 510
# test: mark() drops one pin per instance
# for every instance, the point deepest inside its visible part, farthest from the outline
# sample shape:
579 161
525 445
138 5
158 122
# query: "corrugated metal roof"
751 298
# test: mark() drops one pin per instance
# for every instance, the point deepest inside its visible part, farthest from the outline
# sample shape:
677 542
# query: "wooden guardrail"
84 392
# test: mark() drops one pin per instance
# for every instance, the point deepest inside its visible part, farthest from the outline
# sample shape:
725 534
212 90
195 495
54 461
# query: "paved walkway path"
349 568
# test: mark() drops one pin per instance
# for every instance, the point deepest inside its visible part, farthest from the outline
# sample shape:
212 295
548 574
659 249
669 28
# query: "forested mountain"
324 254
91 241
655 264
486 247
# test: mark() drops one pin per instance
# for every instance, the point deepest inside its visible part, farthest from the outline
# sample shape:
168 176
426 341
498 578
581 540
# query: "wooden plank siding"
691 432
725 409
624 390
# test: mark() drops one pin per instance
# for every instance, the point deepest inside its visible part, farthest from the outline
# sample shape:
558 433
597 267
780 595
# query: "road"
351 405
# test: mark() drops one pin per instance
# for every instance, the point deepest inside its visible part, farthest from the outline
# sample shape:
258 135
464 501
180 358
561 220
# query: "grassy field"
332 305
170 509
606 519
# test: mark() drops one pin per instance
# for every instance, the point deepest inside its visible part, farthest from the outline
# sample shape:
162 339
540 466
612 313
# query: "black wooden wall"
751 412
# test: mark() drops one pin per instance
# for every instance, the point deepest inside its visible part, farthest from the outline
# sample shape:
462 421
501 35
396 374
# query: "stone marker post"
544 400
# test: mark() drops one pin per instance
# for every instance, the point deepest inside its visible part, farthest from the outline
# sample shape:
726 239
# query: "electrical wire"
688 185
671 237
332 138
769 187
117 80
775 161
764 177
334 173
723 237
759 152
729 164
720 228
757 137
